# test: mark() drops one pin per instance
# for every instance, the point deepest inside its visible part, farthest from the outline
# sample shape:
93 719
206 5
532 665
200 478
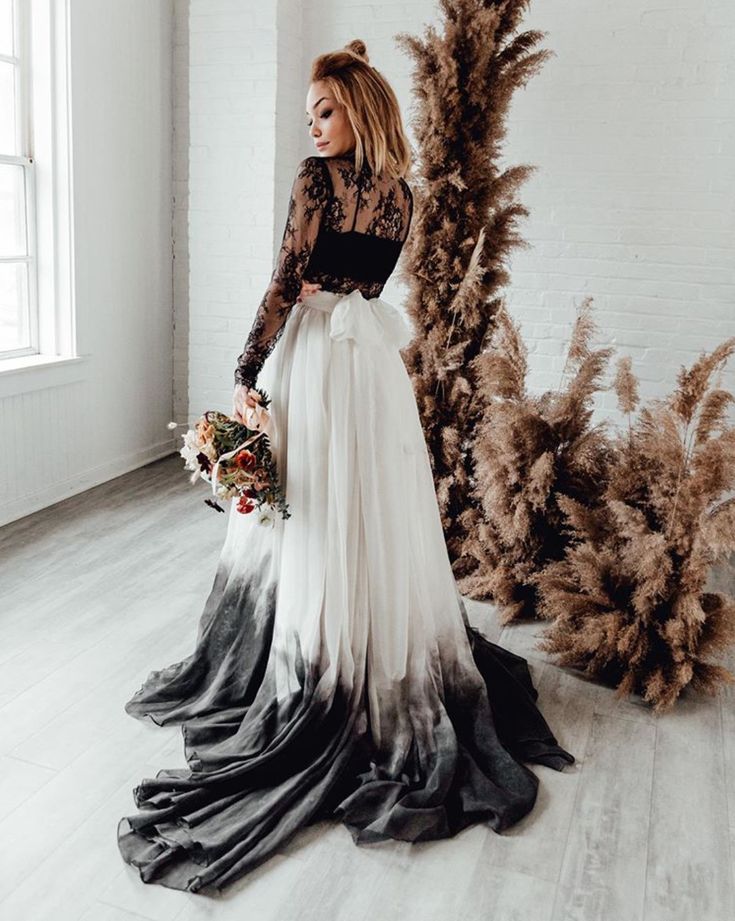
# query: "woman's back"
345 229
364 224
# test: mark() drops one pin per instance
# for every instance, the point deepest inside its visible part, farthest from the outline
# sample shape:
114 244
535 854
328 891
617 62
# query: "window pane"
6 26
8 134
14 329
12 211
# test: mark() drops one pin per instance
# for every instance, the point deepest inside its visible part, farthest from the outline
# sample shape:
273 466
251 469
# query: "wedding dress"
335 673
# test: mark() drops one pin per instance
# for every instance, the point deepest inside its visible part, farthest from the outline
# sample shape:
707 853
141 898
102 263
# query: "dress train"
335 673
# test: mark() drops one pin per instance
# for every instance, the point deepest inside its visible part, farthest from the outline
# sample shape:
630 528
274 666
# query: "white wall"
631 126
60 440
181 149
233 84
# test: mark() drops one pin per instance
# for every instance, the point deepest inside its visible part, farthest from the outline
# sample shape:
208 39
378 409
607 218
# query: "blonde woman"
335 674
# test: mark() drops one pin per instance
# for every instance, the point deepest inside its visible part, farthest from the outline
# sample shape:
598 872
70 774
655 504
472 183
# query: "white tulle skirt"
363 574
335 672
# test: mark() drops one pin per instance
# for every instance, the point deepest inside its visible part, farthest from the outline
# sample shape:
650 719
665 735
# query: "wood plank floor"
103 587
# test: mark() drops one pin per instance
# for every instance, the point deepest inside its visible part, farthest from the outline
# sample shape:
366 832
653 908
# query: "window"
18 293
37 323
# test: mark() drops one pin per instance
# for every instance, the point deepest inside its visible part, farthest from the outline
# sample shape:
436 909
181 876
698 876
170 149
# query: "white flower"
267 517
190 450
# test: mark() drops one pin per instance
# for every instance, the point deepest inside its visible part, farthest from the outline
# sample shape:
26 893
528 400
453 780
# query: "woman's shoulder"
313 177
311 165
314 168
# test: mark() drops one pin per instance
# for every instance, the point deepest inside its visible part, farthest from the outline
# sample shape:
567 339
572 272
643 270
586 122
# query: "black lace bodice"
344 230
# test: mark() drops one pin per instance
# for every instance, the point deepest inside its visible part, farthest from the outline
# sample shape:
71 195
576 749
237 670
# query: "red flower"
246 460
244 505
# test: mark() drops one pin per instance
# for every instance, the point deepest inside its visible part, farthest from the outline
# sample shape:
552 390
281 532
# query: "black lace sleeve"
309 195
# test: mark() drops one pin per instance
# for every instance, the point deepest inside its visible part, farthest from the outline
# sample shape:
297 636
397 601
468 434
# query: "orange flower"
246 460
205 431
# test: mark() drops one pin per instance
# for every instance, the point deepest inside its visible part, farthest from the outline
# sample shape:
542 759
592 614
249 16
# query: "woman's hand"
308 287
242 398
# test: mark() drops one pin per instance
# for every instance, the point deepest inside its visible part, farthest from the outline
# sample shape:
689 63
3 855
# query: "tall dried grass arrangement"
465 224
628 600
531 453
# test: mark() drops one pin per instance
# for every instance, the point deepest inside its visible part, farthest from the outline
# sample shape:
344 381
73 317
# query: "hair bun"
357 46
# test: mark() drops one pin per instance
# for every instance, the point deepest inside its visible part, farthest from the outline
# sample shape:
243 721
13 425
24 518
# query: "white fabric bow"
368 320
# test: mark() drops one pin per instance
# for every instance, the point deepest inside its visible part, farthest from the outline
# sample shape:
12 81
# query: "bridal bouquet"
236 459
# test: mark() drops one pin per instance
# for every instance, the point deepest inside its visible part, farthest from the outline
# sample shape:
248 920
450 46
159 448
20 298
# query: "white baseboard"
85 479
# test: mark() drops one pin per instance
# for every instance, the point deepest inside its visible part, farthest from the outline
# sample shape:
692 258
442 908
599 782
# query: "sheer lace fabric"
344 230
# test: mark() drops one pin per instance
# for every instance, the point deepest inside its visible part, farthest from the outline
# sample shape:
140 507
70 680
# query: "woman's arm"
309 195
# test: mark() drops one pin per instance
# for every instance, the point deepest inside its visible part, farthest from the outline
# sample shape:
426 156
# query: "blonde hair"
370 105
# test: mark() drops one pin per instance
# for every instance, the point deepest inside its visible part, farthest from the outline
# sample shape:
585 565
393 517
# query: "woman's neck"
349 156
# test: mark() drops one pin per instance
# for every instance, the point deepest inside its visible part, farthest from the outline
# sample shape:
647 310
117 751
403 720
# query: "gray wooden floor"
102 588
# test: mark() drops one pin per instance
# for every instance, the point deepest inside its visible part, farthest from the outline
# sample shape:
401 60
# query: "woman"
335 674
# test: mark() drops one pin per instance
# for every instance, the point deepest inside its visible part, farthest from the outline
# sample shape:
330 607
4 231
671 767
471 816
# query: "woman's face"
327 122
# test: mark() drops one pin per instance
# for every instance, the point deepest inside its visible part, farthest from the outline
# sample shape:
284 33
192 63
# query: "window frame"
46 123
21 59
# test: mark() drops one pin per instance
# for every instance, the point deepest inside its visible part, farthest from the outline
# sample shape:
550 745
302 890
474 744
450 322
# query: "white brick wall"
631 125
232 67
